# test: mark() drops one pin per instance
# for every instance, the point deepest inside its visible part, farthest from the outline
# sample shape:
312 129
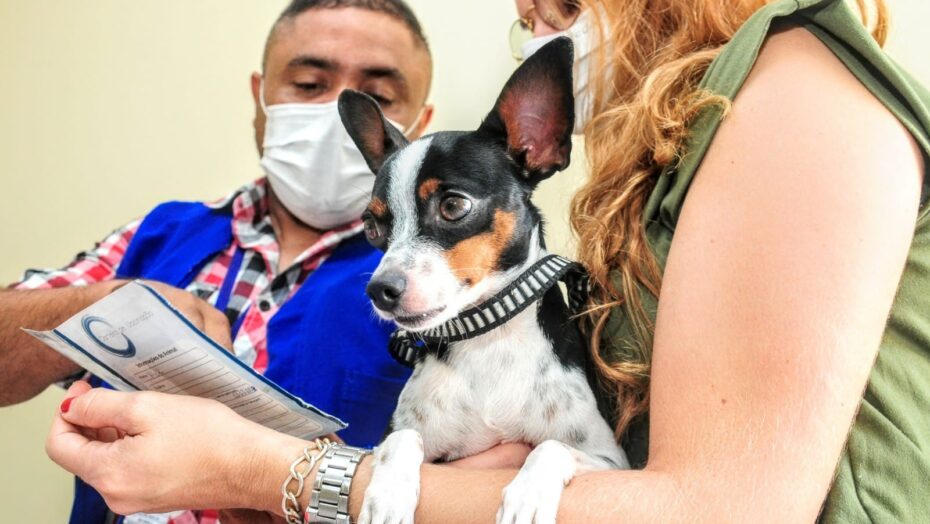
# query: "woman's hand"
153 452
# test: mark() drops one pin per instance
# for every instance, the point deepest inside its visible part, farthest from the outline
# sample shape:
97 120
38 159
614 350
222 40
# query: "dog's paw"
390 498
533 495
392 494
530 499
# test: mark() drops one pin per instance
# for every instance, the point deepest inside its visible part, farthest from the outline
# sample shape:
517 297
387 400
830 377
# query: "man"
277 270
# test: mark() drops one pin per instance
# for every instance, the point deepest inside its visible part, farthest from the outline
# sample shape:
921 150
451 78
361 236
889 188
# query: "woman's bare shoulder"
793 56
802 110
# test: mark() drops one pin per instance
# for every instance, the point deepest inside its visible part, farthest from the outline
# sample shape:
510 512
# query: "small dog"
452 212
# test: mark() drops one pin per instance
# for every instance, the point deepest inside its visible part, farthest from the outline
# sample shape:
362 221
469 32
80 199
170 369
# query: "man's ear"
425 120
258 120
535 113
375 137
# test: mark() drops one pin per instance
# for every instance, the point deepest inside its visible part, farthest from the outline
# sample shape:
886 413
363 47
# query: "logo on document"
108 337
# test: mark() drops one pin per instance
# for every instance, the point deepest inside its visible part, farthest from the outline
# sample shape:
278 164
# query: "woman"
794 275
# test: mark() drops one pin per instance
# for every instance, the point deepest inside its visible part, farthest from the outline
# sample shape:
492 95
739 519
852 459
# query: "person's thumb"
79 387
103 408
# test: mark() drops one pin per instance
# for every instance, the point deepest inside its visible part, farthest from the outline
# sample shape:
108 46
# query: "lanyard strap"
238 323
229 282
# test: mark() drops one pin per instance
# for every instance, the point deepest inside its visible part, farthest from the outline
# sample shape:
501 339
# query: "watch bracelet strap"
329 498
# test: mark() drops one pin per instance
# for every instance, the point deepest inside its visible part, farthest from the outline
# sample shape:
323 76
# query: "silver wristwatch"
329 500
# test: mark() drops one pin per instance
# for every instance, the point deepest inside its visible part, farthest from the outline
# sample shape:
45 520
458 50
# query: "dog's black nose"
386 290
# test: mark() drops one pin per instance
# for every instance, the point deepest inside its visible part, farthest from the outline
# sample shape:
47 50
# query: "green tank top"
884 473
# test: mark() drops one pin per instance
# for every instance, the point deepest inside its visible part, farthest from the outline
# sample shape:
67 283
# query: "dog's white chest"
470 404
505 388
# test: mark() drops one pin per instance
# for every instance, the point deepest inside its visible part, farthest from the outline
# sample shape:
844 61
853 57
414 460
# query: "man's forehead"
349 37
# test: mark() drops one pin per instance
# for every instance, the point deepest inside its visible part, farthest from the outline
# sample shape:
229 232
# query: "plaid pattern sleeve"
89 267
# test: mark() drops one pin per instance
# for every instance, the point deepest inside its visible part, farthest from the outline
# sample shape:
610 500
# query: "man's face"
315 56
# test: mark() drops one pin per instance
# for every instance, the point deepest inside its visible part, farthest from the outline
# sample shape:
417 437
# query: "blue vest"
324 344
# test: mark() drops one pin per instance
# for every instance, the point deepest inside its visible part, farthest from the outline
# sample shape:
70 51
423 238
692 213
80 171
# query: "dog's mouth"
418 321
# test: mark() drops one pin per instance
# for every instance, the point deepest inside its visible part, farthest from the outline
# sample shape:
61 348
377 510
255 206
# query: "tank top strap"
833 22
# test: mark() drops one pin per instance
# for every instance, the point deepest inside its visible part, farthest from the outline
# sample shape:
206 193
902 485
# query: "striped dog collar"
408 348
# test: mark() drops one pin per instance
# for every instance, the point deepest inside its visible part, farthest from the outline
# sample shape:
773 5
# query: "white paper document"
135 340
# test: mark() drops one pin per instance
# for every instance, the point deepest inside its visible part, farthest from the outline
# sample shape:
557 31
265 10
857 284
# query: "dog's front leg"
533 495
394 489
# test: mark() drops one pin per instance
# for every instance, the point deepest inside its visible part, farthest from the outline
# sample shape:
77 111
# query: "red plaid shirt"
258 292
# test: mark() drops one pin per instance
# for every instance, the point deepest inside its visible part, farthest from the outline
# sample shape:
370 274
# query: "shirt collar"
252 229
251 218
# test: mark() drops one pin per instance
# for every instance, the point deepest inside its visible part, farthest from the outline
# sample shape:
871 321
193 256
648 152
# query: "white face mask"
314 167
583 38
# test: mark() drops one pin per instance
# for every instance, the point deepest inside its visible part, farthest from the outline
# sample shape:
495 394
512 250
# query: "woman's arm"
781 275
778 286
153 452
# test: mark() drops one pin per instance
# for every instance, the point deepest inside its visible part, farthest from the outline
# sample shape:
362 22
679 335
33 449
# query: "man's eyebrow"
387 72
312 61
391 73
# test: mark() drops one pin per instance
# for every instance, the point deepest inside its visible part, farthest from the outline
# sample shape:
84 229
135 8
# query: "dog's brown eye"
372 231
454 208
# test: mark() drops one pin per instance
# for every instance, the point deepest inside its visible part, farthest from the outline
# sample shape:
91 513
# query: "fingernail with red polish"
66 404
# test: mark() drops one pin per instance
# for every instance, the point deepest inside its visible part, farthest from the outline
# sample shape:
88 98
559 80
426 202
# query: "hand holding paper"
165 451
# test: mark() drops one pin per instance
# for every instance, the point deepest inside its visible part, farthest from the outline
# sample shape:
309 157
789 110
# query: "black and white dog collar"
408 348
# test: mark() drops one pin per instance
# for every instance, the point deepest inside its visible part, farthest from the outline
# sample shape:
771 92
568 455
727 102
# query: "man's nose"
386 290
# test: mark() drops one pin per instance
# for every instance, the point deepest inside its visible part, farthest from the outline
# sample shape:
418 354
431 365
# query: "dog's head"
452 210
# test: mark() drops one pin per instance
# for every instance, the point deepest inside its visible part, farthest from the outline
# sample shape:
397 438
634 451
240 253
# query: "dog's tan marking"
377 207
473 258
427 188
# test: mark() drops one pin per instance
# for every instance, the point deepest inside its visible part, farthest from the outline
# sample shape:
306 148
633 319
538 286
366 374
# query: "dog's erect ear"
375 137
535 112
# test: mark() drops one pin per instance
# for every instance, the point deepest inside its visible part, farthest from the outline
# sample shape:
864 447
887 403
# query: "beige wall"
111 106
